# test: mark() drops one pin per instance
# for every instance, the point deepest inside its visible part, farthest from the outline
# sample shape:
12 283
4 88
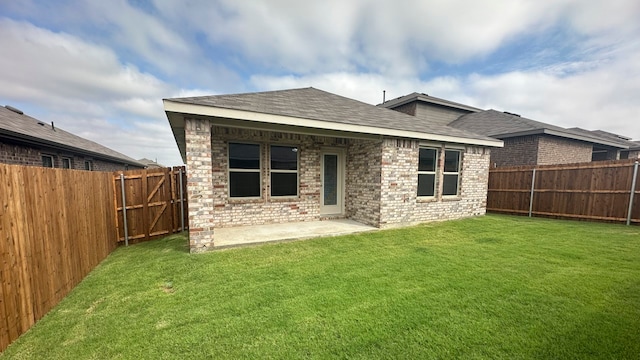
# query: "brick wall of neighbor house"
399 202
555 150
17 154
522 150
364 161
237 212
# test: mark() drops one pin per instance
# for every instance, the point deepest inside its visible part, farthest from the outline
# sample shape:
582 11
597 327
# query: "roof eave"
563 134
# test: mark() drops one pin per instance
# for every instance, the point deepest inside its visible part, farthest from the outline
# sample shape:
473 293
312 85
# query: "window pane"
244 156
330 181
427 161
244 184
66 163
47 161
426 184
284 158
450 185
451 161
284 184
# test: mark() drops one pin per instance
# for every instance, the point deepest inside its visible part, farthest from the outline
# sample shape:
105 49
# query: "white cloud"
85 89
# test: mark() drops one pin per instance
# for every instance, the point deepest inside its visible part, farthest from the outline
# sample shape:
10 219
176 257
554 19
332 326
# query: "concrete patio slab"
255 234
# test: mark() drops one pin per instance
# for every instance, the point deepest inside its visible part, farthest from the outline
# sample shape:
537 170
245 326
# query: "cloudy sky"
100 68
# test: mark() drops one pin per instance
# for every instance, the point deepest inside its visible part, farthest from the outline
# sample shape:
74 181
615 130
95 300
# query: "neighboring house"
633 147
25 140
431 109
306 154
633 152
150 164
526 141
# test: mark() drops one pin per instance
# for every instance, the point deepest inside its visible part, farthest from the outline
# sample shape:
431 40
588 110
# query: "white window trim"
297 172
230 170
53 162
457 173
62 162
434 173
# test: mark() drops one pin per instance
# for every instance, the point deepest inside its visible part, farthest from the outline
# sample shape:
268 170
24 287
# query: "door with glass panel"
332 174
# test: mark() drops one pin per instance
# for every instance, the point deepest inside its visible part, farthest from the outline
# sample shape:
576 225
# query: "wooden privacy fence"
155 204
56 225
600 191
55 229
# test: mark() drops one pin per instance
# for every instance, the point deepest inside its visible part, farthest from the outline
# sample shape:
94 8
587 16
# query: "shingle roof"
502 125
314 104
622 140
426 98
28 129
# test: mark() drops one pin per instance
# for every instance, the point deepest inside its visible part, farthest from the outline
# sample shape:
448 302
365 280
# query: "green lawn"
489 287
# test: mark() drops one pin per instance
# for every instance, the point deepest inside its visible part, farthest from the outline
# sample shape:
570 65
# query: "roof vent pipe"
53 127
15 110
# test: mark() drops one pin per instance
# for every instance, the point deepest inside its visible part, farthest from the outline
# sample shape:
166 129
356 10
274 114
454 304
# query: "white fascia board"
203 110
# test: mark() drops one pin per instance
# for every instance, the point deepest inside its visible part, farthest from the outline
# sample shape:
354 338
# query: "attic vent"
510 113
18 111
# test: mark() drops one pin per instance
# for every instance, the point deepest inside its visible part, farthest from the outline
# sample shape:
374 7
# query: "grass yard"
490 287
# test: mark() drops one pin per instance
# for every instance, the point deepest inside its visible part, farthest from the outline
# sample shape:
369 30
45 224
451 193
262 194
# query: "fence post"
181 203
124 211
533 183
633 192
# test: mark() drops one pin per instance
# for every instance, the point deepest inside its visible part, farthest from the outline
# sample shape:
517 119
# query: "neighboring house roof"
150 163
313 109
28 130
428 99
502 125
622 140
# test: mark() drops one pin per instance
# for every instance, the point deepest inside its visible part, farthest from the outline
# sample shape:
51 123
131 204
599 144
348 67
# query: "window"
427 172
451 172
244 170
284 170
47 161
88 165
66 163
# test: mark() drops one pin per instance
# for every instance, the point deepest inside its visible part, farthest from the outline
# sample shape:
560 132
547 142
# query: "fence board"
589 191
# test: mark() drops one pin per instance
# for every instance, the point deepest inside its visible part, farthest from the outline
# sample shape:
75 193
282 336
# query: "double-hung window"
47 161
451 172
427 165
284 170
244 170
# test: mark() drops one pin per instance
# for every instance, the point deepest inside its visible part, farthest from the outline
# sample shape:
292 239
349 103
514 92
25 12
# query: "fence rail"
56 225
601 191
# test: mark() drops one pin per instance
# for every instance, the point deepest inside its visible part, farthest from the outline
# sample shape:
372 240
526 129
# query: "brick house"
25 140
306 154
526 141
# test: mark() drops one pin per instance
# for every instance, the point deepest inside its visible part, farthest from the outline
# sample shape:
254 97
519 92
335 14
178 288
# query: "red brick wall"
540 150
15 154
521 150
555 150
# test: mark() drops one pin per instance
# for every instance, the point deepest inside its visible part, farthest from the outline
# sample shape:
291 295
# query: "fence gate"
154 203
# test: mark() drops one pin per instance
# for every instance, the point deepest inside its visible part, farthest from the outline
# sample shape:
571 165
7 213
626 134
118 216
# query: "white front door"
332 174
